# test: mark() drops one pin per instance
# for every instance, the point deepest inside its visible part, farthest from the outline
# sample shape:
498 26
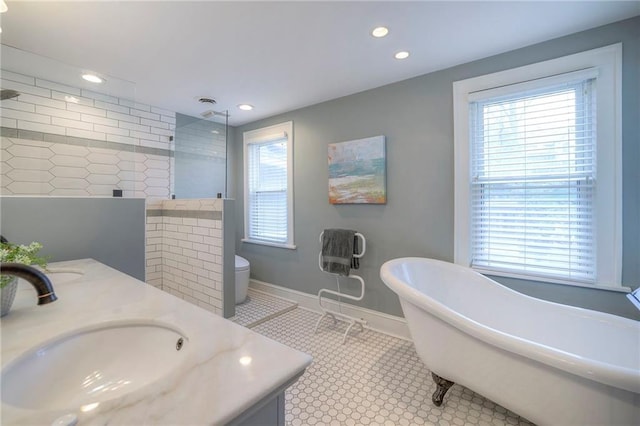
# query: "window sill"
266 243
547 280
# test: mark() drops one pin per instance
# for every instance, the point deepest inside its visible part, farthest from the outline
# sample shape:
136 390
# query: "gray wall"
110 230
416 117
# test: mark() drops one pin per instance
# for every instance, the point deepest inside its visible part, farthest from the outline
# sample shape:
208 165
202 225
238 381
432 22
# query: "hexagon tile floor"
259 307
373 379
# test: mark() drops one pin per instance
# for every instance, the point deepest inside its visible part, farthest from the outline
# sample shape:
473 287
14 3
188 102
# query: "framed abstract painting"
357 171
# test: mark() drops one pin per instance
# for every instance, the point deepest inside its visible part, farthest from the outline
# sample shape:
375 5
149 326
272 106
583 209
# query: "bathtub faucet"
38 280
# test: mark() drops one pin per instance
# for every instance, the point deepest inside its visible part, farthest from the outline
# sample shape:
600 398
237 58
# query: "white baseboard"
378 321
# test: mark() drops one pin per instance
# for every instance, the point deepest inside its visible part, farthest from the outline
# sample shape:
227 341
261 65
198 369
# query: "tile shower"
65 141
59 140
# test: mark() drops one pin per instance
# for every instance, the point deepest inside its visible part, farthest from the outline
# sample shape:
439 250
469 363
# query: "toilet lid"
241 263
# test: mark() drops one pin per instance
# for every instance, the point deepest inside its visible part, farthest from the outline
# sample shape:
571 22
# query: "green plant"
27 255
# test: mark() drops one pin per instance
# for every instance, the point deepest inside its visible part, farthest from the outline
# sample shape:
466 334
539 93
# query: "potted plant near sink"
16 253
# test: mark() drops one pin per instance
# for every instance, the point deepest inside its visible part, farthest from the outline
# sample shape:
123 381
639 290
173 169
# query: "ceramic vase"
8 293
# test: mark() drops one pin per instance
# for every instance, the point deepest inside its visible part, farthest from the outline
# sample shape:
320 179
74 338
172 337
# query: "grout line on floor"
271 316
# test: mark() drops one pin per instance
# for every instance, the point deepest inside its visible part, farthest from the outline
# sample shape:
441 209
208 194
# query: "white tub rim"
602 372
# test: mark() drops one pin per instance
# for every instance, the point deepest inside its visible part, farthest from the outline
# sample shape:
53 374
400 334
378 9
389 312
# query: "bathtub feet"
442 386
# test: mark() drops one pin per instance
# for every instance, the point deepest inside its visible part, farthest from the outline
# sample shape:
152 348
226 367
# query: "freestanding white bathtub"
552 364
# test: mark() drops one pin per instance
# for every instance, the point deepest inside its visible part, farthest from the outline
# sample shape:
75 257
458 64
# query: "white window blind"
533 169
267 186
538 176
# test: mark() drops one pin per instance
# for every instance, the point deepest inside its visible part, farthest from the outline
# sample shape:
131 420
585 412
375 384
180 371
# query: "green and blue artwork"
357 171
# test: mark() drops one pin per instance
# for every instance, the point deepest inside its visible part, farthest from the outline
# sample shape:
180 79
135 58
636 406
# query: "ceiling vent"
205 100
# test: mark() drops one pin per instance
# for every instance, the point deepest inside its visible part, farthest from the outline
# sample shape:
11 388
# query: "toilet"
242 279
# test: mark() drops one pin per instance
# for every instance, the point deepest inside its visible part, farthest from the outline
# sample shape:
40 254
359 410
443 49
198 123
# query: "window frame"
263 135
607 62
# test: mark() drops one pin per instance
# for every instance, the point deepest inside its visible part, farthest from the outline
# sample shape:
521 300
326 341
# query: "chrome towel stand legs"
327 310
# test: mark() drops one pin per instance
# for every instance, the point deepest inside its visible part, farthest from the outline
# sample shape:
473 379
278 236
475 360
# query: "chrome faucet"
37 279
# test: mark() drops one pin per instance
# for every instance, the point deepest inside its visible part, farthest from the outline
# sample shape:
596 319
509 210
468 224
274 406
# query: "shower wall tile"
99 120
90 133
38 127
171 119
53 112
144 114
113 131
60 96
162 112
144 135
112 137
43 168
28 88
99 96
27 116
19 78
21 106
111 107
154 123
8 122
72 106
41 101
73 123
123 117
134 126
57 86
29 188
162 131
25 163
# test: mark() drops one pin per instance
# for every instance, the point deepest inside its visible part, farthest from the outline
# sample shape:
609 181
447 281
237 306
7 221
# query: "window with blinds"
268 189
537 171
532 174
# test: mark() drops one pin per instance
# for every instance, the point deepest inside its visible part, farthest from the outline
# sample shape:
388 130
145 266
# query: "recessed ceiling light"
245 107
402 55
3 9
92 78
380 31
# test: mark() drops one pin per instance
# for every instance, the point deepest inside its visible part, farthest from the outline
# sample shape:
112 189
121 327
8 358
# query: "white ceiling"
283 56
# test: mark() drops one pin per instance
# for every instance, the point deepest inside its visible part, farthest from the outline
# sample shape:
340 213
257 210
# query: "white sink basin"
63 275
92 365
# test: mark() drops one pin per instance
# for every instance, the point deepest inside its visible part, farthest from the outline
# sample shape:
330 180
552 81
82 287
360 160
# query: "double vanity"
114 350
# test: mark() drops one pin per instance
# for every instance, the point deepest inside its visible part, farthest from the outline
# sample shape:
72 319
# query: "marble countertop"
210 386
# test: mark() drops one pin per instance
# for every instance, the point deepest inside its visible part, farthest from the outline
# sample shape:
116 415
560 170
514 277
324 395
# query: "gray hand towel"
337 251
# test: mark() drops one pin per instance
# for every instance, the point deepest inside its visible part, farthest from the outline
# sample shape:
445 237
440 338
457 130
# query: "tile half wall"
186 250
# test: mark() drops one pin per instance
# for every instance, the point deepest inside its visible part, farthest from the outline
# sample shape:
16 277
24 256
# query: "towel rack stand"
328 311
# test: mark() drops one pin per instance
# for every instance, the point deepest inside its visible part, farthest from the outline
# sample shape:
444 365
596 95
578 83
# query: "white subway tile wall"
184 254
154 228
35 166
